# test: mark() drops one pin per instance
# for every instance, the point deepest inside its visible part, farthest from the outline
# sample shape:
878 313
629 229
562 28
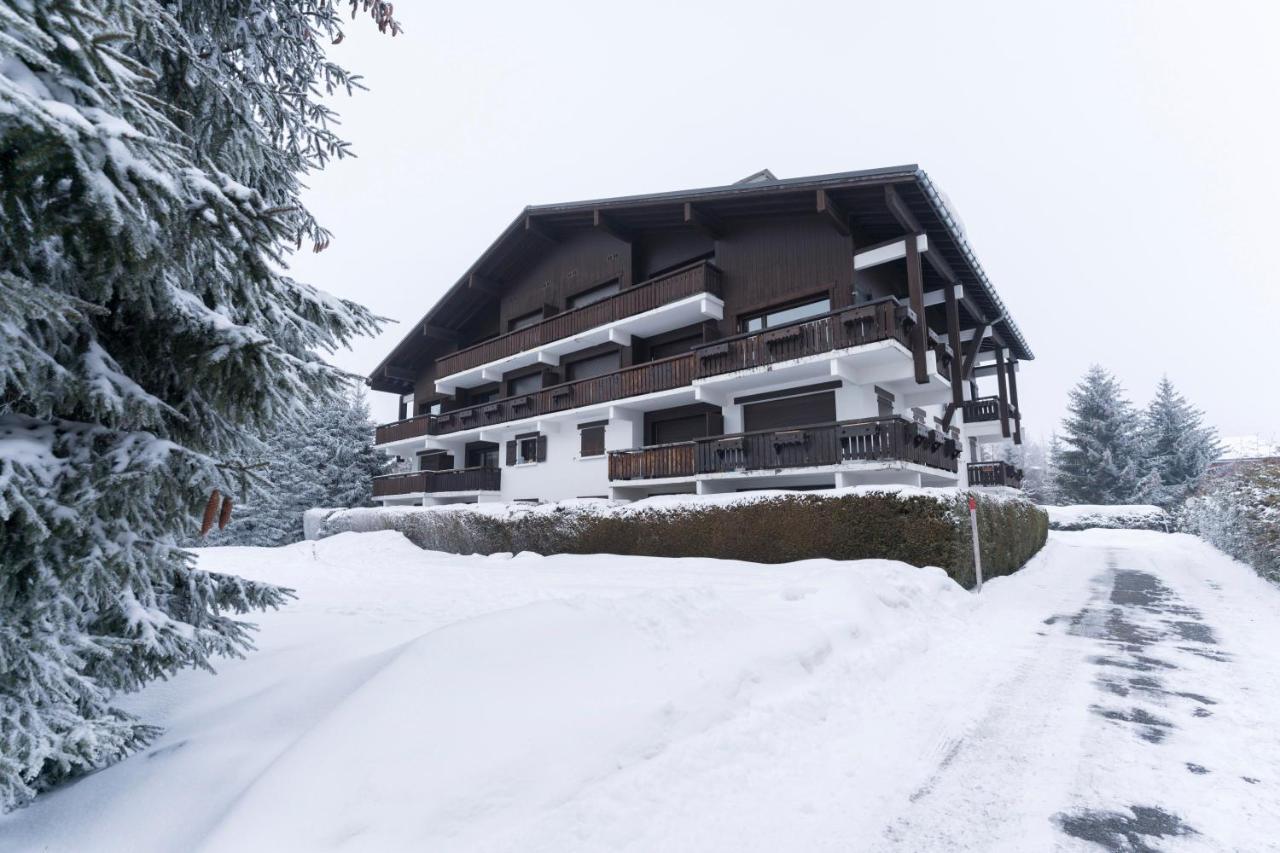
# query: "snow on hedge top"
1118 516
668 503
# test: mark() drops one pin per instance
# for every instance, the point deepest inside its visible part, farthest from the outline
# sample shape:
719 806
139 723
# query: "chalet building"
799 333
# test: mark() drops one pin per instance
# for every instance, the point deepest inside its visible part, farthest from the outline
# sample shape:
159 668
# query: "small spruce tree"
325 459
1098 461
1177 447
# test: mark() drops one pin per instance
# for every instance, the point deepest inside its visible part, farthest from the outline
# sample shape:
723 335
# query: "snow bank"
1116 517
413 700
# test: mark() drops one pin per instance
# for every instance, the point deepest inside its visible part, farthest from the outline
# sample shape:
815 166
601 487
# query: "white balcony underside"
887 364
987 432
675 315
417 498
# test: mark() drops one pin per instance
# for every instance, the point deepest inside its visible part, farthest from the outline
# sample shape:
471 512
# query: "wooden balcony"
428 482
700 278
994 474
982 409
882 320
891 439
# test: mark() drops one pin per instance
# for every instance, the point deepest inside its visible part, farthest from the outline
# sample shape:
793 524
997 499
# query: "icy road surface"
1120 693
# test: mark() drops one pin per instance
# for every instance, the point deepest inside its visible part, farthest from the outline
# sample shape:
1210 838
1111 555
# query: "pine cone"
210 510
225 516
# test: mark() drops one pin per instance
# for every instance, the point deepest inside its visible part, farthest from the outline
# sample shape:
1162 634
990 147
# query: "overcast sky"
1115 164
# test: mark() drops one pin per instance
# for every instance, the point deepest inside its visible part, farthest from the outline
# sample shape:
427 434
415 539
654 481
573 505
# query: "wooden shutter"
790 412
592 441
542 448
511 453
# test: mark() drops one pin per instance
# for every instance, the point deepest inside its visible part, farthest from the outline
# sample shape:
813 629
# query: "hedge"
920 527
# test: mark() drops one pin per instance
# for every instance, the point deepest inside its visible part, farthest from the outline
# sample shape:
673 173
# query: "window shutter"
511 453
542 448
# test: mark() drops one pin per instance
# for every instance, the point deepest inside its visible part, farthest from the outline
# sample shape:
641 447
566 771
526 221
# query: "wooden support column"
1004 393
953 340
1013 400
915 290
971 360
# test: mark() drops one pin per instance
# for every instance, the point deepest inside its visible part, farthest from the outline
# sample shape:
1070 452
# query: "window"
482 455
884 406
475 398
525 384
595 294
782 316
676 347
430 407
524 320
523 449
592 437
597 365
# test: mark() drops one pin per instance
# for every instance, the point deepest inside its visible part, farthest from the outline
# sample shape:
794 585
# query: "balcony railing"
882 320
994 474
453 480
891 439
700 278
981 409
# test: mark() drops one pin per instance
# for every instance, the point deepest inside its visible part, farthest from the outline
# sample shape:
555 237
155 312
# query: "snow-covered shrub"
917 526
1112 517
1239 512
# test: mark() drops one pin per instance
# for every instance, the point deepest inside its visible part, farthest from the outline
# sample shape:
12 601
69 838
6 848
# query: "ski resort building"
799 333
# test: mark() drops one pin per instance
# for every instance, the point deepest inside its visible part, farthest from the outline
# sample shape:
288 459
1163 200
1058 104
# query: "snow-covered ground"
1121 690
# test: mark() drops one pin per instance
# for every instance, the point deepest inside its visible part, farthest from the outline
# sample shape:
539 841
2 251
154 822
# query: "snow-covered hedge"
1239 512
1114 517
924 527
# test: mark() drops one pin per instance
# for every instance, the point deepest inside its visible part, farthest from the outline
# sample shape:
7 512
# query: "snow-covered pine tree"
1098 460
150 159
1033 459
325 459
1177 447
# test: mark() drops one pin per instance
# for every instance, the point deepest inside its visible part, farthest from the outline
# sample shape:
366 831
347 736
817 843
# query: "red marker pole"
977 553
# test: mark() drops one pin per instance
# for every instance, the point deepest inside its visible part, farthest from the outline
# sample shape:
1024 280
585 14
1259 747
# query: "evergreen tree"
1099 458
150 162
325 459
1033 460
1177 447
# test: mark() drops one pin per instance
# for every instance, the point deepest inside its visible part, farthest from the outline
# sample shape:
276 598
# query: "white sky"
1116 164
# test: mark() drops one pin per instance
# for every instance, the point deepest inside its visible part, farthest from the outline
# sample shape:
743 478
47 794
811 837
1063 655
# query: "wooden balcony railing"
698 278
453 480
868 439
981 409
994 474
881 320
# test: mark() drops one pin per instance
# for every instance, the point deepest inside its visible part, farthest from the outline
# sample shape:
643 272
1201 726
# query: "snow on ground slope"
1250 446
1110 516
1116 694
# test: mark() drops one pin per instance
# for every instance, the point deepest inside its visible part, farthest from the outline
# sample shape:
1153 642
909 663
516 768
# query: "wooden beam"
900 211
399 374
838 218
484 285
604 222
1012 371
537 229
937 297
915 290
890 250
431 330
704 220
1004 393
953 339
975 345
